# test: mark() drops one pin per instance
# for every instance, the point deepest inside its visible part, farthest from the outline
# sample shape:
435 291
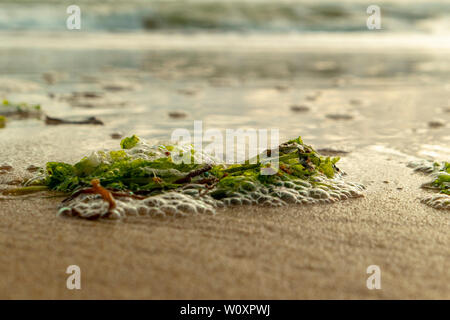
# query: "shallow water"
349 98
262 16
309 68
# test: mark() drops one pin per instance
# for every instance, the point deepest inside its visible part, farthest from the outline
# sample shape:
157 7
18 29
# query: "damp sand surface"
382 103
318 251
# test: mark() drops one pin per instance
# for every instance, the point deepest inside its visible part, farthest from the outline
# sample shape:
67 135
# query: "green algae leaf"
129 142
296 140
61 176
2 122
442 180
327 166
441 176
118 155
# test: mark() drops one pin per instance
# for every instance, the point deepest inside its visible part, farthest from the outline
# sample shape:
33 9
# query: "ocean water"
263 16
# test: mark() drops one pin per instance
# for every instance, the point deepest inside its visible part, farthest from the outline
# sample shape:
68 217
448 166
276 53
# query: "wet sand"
308 252
375 105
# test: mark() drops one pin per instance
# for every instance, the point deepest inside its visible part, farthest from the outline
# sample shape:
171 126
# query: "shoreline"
364 42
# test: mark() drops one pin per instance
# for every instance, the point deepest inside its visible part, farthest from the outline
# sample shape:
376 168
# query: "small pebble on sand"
332 152
177 114
6 167
300 108
119 86
436 124
91 95
117 135
32 168
339 116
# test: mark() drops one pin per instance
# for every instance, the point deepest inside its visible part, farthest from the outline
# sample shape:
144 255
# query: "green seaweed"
21 110
442 180
2 122
129 142
118 170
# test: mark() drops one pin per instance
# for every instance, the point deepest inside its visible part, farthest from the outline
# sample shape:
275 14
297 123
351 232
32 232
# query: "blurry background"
263 16
309 68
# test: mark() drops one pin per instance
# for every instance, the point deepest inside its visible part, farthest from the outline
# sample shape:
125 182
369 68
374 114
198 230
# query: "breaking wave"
226 16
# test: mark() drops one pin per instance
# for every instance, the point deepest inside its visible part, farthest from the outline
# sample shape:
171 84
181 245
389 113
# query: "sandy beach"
312 252
376 98
309 252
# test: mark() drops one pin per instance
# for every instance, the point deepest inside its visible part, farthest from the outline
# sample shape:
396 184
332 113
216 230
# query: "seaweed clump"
20 110
140 168
440 183
145 178
442 180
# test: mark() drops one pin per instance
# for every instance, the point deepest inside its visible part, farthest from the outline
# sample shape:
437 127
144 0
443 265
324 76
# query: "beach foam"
195 199
432 169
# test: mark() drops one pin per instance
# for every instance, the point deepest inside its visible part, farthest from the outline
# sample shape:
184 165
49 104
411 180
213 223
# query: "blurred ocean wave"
227 16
